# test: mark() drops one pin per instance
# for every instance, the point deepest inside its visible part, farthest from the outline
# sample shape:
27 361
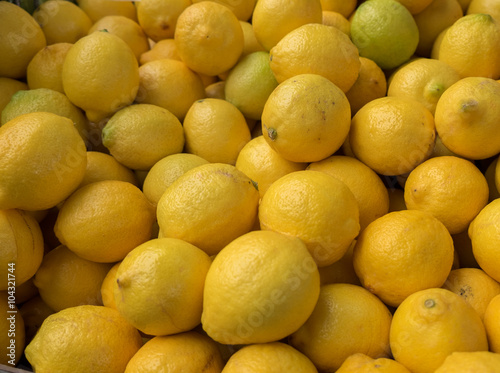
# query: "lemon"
260 288
140 135
370 84
23 38
34 312
394 258
483 232
396 199
150 275
385 32
347 319
436 17
438 186
315 207
362 363
309 49
216 90
125 28
215 130
490 7
97 9
466 117
169 84
306 118
479 32
337 20
392 135
263 165
100 75
187 352
208 206
268 358
8 87
344 7
42 161
26 291
101 166
242 9
366 186
13 338
483 361
431 324
464 4
250 42
164 48
416 6
423 80
62 21
166 171
107 285
120 219
342 271
490 320
83 339
250 83
273 19
490 175
46 100
158 18
59 279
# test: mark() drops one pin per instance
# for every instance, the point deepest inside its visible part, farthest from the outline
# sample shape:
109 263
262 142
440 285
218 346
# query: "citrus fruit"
463 247
344 7
362 363
158 18
120 219
342 271
107 285
275 303
315 207
34 312
250 42
337 20
416 6
490 175
241 9
8 87
26 291
385 32
403 252
396 199
97 9
84 339
490 320
42 161
475 361
490 7
431 324
164 48
13 338
102 166
216 90
306 118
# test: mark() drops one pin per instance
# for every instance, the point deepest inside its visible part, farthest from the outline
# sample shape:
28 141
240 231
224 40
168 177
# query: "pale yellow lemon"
346 319
477 361
344 7
250 42
158 18
97 9
102 166
281 295
164 48
335 19
362 363
437 44
13 339
431 324
403 252
241 9
84 339
491 323
107 285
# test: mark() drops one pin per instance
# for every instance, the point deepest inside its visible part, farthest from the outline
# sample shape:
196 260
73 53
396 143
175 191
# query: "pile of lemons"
250 186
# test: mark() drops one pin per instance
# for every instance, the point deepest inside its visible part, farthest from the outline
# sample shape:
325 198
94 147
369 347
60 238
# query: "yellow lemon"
149 275
186 352
42 161
390 42
59 279
23 38
438 186
490 7
362 363
490 175
281 295
269 358
263 165
366 186
101 166
347 319
62 21
209 38
344 7
26 291
477 361
250 83
84 339
424 80
273 19
483 232
169 84
34 312
100 74
120 219
166 171
140 135
431 324
208 206
478 32
392 135
370 84
241 9
22 247
491 323
306 118
467 115
97 9
13 337
436 17
342 271
215 130
164 48
250 42
337 20
8 87
45 68
125 28
403 252
107 287
315 207
415 6
309 49
158 18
